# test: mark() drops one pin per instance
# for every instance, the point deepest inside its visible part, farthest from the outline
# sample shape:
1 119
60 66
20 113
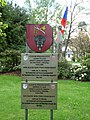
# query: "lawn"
73 101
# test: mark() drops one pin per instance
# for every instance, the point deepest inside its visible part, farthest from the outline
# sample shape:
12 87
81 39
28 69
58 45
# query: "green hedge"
10 60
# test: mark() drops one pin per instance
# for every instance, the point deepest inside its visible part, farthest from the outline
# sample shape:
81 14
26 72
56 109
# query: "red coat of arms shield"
39 37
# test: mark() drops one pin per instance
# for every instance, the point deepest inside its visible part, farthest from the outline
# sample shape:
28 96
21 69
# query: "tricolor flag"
64 20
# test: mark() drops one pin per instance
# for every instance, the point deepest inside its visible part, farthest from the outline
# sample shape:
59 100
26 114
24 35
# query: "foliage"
16 18
86 62
80 44
64 68
13 43
44 11
3 26
82 72
2 2
10 60
79 73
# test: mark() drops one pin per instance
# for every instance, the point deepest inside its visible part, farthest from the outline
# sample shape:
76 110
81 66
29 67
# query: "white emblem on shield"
52 86
25 57
24 86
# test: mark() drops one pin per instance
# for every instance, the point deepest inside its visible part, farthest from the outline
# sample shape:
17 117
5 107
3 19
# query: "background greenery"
73 101
77 71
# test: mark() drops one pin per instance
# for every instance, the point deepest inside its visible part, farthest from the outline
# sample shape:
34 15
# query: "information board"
39 66
39 95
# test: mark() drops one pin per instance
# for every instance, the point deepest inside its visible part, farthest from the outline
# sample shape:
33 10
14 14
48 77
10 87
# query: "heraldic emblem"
39 37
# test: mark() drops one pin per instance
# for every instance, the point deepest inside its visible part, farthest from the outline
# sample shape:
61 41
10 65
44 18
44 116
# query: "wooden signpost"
39 71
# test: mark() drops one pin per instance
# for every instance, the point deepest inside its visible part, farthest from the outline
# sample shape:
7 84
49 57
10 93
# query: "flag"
64 20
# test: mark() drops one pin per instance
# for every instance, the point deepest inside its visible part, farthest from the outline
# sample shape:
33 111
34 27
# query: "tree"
16 18
75 10
80 44
14 42
45 11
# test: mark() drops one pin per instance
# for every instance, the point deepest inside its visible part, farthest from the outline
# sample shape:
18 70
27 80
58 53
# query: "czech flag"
64 20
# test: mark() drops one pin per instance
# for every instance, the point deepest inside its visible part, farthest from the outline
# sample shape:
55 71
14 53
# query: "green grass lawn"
73 101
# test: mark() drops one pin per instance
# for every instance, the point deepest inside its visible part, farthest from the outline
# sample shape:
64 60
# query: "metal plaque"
39 95
39 66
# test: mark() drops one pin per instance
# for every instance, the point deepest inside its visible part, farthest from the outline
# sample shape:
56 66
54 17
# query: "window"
68 55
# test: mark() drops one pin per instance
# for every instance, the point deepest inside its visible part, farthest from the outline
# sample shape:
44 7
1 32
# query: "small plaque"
39 95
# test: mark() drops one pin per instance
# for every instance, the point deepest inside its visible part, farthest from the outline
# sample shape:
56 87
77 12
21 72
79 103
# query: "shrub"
64 68
86 63
9 59
82 73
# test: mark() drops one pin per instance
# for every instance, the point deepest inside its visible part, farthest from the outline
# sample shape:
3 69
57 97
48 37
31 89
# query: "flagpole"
59 43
